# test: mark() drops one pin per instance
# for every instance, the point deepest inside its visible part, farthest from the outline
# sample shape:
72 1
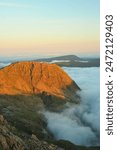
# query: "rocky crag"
10 141
34 78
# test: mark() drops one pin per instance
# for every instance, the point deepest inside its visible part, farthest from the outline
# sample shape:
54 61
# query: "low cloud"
79 123
4 64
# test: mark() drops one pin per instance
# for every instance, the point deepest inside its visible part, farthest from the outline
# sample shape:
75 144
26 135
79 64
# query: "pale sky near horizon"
49 27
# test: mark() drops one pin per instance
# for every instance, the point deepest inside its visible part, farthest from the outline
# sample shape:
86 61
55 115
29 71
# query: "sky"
37 28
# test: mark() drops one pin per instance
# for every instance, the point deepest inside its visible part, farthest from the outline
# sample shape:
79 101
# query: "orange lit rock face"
34 78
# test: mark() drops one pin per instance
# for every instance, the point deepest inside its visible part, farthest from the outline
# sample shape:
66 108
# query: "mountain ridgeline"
62 61
72 61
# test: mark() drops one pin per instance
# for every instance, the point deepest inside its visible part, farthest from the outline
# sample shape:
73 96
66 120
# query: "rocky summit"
35 78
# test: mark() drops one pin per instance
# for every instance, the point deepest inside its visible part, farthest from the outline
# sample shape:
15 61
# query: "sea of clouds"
80 124
4 64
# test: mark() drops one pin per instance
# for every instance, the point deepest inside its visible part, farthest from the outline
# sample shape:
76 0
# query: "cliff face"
35 78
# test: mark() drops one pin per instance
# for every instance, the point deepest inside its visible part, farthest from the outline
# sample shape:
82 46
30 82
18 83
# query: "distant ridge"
65 57
72 61
65 61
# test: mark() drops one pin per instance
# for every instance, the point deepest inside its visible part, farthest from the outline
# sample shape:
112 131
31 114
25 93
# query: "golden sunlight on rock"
35 78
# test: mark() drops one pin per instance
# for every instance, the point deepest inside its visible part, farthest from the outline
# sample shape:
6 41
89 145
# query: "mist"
4 64
79 124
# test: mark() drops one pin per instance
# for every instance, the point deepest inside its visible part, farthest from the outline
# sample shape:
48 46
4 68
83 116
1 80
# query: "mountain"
36 78
72 61
60 58
63 61
26 90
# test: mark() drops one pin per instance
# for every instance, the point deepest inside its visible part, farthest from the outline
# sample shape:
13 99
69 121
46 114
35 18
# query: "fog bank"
79 123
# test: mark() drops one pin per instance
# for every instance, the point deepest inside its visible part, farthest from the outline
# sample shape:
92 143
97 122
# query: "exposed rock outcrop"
10 141
35 78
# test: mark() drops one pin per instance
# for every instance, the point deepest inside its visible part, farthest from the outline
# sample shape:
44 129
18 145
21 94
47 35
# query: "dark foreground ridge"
13 139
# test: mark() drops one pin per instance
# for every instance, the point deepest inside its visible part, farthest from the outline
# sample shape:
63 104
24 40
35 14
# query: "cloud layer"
79 123
4 64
